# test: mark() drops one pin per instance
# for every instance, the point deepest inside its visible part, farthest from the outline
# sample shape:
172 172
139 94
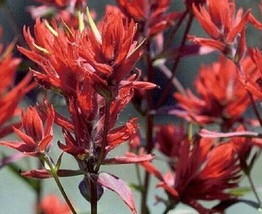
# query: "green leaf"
59 161
241 191
136 187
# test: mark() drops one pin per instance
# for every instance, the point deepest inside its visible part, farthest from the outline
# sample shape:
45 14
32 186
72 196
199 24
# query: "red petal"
205 20
152 170
20 146
208 42
27 139
44 144
255 22
240 26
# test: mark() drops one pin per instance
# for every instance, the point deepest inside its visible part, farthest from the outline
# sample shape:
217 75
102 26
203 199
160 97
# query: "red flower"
204 172
49 49
110 52
85 133
89 67
52 205
222 98
70 57
10 96
36 138
152 15
223 26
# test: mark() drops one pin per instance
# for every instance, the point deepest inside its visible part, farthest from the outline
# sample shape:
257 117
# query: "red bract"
51 204
222 98
36 137
152 15
55 51
223 25
203 172
110 51
70 57
252 78
86 136
10 96
89 67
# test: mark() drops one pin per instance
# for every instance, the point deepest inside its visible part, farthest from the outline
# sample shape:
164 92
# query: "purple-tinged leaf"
212 134
10 159
118 186
129 158
43 173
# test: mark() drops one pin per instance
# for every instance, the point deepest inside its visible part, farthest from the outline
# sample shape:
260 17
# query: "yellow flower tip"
51 29
93 26
137 48
43 50
66 29
81 21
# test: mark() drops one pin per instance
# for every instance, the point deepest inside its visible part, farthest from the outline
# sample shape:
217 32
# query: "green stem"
149 129
174 31
253 188
53 172
138 175
93 194
38 191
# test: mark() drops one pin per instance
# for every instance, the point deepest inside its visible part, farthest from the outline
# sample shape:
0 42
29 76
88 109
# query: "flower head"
68 58
10 95
222 98
223 25
204 172
36 138
49 49
112 51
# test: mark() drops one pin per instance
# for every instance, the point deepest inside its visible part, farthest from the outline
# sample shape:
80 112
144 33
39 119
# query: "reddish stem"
175 66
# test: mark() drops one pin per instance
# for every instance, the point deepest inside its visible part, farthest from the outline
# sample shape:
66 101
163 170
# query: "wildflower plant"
132 55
